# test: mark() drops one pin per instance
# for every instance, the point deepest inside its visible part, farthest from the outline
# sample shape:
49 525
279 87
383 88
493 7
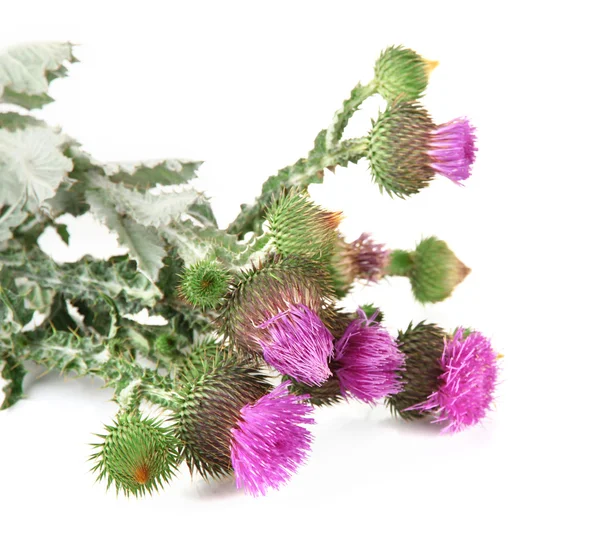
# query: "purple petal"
368 360
299 345
452 149
269 442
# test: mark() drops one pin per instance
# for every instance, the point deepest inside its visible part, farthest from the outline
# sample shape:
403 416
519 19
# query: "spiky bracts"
433 269
281 297
325 394
298 344
367 361
467 383
401 73
208 406
422 346
204 284
138 455
269 441
406 149
300 227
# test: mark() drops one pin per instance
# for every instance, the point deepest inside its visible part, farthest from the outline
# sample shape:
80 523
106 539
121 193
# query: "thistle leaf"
32 165
13 373
143 176
144 244
26 71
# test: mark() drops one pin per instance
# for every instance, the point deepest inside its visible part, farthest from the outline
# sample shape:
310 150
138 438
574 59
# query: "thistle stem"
400 264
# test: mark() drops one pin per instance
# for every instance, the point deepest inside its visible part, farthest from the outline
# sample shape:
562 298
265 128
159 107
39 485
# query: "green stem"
401 263
300 175
341 118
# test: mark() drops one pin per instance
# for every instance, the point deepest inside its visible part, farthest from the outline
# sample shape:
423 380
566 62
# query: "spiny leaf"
27 69
32 165
147 175
13 372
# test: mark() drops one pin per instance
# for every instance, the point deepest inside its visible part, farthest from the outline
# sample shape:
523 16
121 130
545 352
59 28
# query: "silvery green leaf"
27 69
12 121
143 243
142 176
10 217
32 165
13 373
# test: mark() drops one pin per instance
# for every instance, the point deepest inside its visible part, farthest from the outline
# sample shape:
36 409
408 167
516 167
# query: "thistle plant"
254 331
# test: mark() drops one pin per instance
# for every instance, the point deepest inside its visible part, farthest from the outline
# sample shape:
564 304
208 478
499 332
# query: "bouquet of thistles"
251 335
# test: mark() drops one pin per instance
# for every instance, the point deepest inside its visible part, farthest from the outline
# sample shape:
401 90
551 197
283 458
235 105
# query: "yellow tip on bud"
430 66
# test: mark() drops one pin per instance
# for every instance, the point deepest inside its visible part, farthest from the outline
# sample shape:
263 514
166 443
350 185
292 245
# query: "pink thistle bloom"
367 360
452 149
467 383
298 344
269 442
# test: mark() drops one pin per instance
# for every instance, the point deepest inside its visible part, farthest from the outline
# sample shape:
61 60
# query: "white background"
246 87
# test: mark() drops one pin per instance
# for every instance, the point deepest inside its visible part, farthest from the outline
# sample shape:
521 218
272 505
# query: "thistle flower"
138 455
401 73
282 309
367 360
370 258
406 149
433 269
212 393
422 346
204 284
300 227
467 382
299 344
269 441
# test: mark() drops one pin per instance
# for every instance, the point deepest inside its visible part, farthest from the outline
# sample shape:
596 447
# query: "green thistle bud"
300 227
397 150
137 455
422 347
402 74
433 269
204 284
166 345
324 395
266 290
216 387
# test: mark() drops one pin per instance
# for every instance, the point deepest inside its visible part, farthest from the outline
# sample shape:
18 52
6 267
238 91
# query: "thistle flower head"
367 360
298 344
138 455
406 149
370 258
402 73
209 401
467 383
269 441
204 284
270 305
422 346
435 271
300 227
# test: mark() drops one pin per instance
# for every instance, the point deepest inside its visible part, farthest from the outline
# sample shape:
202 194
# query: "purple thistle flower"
467 382
269 442
452 149
369 258
367 360
298 344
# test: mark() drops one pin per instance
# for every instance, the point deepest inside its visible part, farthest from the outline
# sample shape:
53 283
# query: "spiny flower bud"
401 73
209 401
300 227
282 309
137 454
166 344
322 395
433 269
367 361
467 381
422 346
269 441
406 149
204 284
